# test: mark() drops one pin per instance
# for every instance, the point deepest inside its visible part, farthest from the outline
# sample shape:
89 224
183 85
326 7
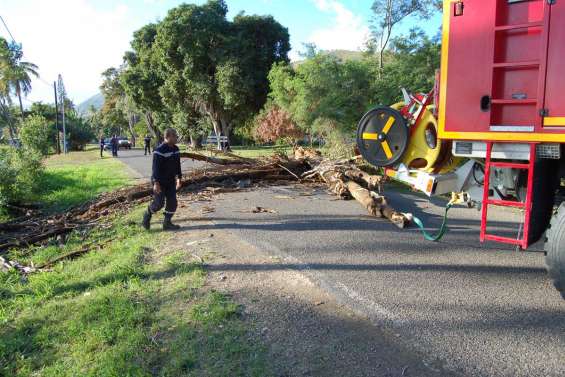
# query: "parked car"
123 143
108 144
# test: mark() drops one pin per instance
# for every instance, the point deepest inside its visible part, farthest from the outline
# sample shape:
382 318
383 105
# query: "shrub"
337 142
19 173
275 125
37 134
80 133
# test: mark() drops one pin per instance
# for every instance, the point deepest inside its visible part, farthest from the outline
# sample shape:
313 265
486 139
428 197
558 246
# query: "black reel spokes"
382 136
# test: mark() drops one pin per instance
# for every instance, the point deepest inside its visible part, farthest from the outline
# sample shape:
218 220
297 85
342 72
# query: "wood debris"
342 178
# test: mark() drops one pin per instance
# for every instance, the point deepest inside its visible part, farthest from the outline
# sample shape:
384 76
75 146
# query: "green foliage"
197 64
20 170
388 14
324 88
112 116
79 133
37 134
411 63
326 96
8 119
15 74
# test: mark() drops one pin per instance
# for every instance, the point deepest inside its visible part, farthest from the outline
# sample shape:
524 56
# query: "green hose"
442 229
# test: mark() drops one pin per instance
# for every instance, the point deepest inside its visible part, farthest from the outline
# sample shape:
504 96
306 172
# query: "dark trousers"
115 150
147 149
166 198
101 150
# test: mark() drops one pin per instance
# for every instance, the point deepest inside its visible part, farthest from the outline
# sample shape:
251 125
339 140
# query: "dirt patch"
306 332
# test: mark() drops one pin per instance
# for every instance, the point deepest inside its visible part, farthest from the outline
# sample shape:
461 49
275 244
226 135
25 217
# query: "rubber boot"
146 220
168 225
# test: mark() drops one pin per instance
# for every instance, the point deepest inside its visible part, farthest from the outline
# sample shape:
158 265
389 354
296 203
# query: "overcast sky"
81 38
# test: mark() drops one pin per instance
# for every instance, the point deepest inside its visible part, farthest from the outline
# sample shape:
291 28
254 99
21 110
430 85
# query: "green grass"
77 177
125 310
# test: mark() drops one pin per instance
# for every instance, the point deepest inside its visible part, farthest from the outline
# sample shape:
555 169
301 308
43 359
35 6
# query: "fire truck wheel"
545 182
555 249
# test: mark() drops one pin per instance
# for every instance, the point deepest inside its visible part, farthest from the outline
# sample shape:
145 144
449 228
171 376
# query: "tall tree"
324 88
192 43
15 73
140 78
217 67
117 110
389 13
7 117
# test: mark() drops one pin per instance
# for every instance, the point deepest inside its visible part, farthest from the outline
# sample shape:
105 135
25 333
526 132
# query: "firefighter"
166 179
147 144
114 144
102 145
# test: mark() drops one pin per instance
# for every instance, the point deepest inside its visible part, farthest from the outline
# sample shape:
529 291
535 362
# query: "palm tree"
15 74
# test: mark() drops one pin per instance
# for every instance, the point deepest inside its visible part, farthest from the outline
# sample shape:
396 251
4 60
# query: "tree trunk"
19 93
11 130
12 133
218 131
131 124
195 141
226 131
151 127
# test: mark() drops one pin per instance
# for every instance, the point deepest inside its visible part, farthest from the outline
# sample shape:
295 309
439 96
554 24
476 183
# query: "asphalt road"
141 164
476 309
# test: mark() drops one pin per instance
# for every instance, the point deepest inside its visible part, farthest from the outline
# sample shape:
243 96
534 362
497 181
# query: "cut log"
397 218
372 181
363 196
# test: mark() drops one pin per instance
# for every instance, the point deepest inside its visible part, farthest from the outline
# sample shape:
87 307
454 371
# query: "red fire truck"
493 129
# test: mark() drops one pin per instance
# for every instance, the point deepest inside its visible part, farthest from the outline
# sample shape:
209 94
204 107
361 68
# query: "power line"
8 30
44 82
14 40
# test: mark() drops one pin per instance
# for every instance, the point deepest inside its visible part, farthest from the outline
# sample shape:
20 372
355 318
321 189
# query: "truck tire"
555 249
544 185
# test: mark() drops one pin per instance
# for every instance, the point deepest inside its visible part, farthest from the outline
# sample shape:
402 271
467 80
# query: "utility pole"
57 118
62 100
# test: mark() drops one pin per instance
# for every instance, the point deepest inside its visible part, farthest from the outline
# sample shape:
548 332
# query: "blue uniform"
166 170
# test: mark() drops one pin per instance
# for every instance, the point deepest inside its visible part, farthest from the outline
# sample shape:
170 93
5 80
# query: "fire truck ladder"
526 206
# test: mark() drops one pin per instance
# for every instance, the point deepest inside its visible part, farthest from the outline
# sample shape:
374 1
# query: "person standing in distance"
166 179
114 143
102 145
147 144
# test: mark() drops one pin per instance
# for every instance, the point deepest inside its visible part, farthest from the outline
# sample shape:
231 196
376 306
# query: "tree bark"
19 93
195 141
131 124
363 196
151 127
226 131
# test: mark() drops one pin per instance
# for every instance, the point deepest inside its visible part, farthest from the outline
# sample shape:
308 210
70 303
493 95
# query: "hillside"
97 101
343 55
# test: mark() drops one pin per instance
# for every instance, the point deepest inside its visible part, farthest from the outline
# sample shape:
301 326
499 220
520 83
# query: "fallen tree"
342 178
345 180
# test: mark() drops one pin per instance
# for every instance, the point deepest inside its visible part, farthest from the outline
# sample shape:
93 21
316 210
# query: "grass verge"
77 177
121 311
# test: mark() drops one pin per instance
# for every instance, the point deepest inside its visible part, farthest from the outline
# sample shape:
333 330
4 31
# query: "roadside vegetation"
57 182
128 309
77 177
